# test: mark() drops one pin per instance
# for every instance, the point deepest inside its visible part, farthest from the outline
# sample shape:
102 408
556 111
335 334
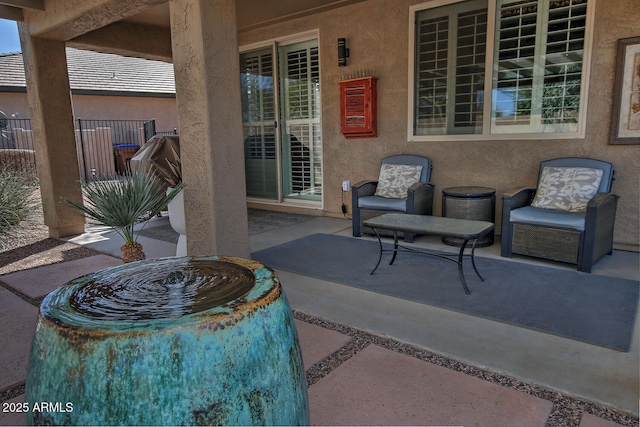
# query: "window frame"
488 119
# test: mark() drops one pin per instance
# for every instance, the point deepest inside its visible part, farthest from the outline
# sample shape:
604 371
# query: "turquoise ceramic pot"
175 341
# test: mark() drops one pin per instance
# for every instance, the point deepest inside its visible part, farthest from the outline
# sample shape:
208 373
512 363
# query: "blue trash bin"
124 153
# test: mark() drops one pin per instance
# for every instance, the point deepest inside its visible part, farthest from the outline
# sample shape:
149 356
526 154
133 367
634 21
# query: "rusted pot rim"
56 307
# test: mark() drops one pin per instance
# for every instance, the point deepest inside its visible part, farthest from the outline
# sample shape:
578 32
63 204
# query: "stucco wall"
105 108
377 34
127 108
14 102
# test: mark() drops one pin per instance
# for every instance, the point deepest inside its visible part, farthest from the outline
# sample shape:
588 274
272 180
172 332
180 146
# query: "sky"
9 40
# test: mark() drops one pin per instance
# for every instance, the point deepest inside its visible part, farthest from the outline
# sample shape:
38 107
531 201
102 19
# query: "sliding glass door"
259 121
281 119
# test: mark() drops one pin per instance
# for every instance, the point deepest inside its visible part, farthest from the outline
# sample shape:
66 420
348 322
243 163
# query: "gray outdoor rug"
585 307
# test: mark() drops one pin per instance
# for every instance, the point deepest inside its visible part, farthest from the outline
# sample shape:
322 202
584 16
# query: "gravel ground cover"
29 245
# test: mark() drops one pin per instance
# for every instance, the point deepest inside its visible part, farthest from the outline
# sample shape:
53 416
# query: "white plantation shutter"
450 62
258 107
527 80
303 140
258 113
566 30
432 75
470 63
516 57
540 48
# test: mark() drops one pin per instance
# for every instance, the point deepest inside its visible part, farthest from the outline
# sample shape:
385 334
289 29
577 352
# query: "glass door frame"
274 44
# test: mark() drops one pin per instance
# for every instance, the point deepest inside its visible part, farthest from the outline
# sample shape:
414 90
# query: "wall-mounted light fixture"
343 53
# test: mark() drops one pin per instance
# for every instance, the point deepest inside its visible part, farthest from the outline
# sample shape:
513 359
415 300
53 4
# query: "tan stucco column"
205 58
49 95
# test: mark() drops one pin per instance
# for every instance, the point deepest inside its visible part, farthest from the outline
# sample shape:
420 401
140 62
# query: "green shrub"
16 203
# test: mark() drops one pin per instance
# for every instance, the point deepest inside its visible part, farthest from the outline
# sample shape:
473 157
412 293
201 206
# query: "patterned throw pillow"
395 180
567 189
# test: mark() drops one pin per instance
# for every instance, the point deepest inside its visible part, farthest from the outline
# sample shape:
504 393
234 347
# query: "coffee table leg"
460 270
473 259
395 247
379 256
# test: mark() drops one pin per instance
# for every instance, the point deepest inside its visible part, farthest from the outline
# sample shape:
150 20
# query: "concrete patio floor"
372 359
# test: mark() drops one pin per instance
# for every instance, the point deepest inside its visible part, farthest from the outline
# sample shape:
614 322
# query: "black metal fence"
104 147
17 155
171 132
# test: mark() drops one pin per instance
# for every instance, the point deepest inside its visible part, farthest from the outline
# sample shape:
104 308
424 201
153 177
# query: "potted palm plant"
122 204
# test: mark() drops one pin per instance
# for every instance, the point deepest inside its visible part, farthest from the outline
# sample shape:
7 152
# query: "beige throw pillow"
395 180
567 189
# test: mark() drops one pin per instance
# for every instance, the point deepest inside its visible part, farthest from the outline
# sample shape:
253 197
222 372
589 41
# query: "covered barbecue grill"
161 154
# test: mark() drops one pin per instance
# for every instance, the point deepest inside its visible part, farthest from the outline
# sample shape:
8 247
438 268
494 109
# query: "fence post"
80 140
149 129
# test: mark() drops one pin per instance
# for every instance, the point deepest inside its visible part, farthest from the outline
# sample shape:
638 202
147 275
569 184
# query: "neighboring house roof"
11 70
99 73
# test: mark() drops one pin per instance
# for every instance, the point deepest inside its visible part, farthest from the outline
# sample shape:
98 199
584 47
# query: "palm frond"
121 204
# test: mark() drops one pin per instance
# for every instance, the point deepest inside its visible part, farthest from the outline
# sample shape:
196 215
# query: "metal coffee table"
466 230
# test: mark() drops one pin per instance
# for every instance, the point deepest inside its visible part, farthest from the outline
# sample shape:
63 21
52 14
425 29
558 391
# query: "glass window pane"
563 64
300 128
430 103
258 112
257 87
450 66
539 69
515 34
469 72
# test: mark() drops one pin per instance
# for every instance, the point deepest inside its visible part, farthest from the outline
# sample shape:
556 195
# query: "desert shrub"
18 162
17 203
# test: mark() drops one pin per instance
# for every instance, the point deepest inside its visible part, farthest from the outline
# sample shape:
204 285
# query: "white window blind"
257 87
450 44
303 143
302 73
470 60
431 75
516 56
563 62
258 105
524 77
539 60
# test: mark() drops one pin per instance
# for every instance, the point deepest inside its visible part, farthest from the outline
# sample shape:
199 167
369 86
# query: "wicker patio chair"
562 231
367 201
